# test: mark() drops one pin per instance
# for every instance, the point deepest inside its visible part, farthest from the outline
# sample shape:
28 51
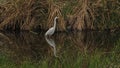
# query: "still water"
62 50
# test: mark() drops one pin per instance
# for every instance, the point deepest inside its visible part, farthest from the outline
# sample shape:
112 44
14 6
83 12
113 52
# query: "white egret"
52 29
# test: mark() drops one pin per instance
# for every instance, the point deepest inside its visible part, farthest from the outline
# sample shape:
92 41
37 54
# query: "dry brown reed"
20 14
76 15
55 10
84 14
17 15
81 16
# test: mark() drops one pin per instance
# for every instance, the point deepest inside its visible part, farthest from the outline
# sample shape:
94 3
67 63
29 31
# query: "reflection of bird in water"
51 43
52 29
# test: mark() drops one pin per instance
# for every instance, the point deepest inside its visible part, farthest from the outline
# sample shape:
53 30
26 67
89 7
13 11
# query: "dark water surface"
83 49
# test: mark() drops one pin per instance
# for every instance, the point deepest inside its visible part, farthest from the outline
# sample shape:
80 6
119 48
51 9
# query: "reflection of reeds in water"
26 46
87 41
75 47
33 47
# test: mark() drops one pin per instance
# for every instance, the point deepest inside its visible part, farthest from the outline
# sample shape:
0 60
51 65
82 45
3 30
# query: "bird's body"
52 29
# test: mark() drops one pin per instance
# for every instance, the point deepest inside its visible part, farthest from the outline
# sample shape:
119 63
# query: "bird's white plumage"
52 29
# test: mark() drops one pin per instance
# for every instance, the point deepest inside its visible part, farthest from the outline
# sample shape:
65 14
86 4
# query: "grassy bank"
74 15
96 59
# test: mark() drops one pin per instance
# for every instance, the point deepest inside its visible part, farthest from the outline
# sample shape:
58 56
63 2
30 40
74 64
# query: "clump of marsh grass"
84 14
97 14
73 15
17 15
55 10
106 14
78 15
21 14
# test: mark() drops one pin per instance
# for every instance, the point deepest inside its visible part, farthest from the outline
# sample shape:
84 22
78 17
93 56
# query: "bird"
52 29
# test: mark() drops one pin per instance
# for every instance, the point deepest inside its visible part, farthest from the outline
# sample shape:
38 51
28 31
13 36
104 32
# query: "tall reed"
73 15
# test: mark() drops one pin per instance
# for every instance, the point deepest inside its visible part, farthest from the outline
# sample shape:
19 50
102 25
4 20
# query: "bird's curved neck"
54 23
